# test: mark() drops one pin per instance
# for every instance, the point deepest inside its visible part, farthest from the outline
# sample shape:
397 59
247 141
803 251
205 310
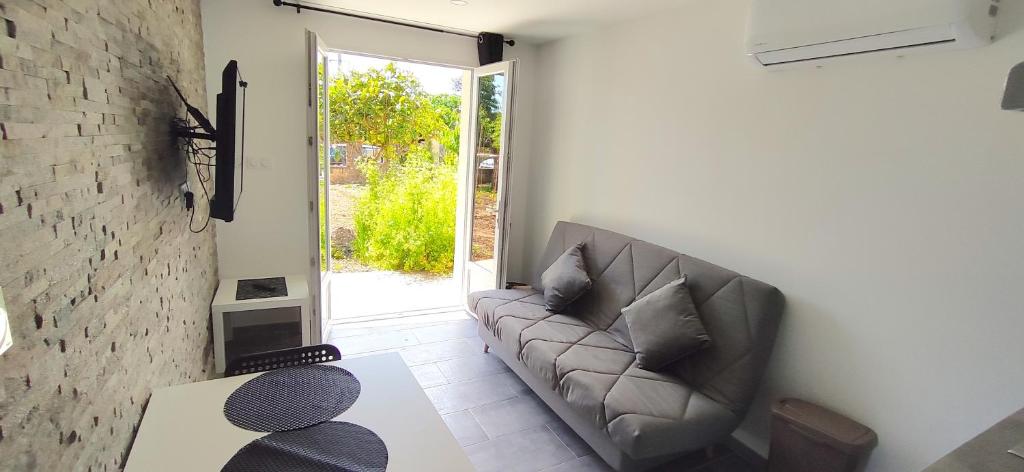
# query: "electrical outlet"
6 340
257 163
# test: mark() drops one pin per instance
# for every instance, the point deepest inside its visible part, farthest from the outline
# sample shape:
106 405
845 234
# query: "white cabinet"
260 324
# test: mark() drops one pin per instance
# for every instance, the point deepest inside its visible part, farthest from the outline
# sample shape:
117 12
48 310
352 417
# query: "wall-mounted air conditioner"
785 32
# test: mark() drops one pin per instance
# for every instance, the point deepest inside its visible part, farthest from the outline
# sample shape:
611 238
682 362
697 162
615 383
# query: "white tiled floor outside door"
357 296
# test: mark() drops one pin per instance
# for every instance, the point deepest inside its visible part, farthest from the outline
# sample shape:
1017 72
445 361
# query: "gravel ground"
484 219
343 198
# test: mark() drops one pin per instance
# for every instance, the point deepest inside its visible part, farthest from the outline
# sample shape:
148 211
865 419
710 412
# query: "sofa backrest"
741 314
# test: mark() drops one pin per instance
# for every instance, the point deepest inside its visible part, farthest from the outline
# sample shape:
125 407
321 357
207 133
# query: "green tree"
489 112
387 108
406 218
448 108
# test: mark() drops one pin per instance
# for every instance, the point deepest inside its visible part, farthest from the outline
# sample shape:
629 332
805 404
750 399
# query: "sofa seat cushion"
596 353
523 304
490 305
646 414
650 414
544 341
584 391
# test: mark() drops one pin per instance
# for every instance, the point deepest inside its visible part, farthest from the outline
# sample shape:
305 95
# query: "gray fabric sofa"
634 419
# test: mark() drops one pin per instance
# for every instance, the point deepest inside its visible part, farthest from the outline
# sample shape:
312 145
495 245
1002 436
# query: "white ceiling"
532 21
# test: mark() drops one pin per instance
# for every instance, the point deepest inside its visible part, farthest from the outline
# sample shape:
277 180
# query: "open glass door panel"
489 177
319 205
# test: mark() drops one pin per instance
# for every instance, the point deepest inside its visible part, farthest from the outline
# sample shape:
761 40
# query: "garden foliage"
406 219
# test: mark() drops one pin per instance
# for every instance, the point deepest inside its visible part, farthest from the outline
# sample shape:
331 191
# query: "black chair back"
270 360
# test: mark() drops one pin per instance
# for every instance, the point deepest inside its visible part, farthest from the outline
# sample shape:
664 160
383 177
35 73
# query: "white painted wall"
270 232
883 196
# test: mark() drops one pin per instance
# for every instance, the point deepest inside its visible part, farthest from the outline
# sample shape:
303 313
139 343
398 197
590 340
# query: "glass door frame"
467 177
319 164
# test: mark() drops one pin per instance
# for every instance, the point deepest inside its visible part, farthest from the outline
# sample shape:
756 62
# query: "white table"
224 302
184 428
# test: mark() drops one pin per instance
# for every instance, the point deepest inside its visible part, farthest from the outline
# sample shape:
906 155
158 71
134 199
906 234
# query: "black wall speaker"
491 47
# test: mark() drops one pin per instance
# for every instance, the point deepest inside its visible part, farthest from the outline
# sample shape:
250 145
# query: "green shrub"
406 219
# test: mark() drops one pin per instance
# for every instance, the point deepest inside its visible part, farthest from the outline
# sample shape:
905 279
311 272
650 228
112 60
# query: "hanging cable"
195 155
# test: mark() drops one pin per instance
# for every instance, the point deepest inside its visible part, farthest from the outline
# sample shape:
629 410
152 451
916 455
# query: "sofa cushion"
664 326
650 414
647 414
565 280
544 341
490 305
598 353
584 391
506 313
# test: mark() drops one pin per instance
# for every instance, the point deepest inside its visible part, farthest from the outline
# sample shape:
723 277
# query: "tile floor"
369 295
499 422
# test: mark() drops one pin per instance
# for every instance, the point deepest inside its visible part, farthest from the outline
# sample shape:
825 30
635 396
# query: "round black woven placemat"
292 398
326 447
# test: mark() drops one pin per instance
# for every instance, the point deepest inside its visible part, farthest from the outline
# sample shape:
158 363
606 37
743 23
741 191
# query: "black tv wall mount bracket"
204 130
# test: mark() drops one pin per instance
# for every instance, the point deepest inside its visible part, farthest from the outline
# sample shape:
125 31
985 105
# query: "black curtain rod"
299 7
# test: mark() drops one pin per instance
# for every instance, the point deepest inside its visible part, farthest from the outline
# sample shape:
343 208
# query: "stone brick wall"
107 288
